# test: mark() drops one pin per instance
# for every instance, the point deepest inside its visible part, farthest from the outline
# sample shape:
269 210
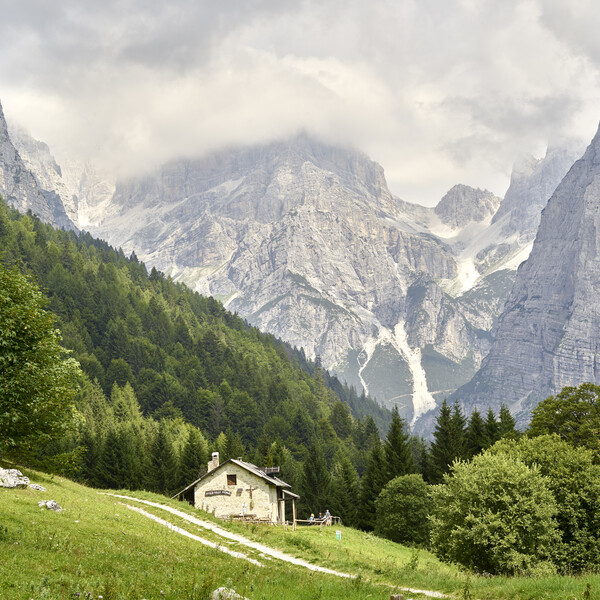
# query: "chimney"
214 462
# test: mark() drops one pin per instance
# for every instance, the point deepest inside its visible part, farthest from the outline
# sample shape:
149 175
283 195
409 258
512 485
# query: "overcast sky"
438 92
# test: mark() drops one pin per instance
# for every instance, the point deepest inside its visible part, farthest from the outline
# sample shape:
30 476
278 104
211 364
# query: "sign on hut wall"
217 493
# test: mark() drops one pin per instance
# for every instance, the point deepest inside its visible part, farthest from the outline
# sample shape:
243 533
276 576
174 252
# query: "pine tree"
371 433
448 442
340 420
459 430
162 467
345 490
507 423
124 404
371 485
116 462
235 445
492 428
194 457
316 481
477 439
419 449
398 457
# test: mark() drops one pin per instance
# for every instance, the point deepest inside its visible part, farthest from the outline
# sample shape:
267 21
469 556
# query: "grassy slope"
97 545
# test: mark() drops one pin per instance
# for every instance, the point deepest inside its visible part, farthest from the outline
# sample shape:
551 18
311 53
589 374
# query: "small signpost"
338 537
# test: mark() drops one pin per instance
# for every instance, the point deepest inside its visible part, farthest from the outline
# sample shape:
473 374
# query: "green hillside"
168 370
98 547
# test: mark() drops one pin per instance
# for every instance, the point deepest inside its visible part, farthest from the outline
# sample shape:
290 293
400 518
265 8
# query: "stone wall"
263 502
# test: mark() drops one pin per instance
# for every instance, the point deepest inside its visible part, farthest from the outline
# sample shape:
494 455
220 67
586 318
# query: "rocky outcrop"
463 205
21 190
547 336
532 183
13 478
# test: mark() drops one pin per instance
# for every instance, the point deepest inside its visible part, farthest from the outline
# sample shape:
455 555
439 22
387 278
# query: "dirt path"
191 535
265 550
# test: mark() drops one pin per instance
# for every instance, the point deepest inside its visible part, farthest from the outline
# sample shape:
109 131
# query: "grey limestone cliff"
548 332
20 188
463 205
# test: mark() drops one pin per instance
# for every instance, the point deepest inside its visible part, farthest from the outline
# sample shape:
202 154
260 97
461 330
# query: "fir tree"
371 485
448 442
235 446
162 468
477 439
492 428
345 490
316 481
340 420
459 430
506 427
398 457
194 458
118 464
419 449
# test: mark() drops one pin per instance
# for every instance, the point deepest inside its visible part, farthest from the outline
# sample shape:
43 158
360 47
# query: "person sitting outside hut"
312 518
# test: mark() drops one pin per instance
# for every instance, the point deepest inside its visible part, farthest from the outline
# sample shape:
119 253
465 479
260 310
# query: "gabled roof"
270 479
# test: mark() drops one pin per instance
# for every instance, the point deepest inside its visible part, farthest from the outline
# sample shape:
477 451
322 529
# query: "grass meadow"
96 547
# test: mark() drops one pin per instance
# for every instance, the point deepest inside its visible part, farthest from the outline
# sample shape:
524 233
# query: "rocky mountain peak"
532 183
548 334
20 188
463 205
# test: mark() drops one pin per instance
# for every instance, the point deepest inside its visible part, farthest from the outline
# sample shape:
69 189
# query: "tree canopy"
573 414
37 378
495 514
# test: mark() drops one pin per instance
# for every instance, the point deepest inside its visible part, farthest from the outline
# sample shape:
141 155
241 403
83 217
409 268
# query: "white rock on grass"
224 593
50 505
13 478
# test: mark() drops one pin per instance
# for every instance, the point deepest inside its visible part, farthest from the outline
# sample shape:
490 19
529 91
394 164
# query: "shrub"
494 514
402 510
574 481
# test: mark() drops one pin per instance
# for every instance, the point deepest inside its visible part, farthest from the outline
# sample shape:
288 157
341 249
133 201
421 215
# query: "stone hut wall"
263 503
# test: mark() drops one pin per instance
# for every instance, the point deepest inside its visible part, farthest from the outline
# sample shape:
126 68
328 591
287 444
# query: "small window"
231 479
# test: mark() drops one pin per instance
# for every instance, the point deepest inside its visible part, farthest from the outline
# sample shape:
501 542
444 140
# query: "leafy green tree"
496 515
37 380
574 481
403 508
573 414
398 457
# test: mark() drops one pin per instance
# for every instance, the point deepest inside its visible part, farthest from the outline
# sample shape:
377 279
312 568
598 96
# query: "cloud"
437 91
